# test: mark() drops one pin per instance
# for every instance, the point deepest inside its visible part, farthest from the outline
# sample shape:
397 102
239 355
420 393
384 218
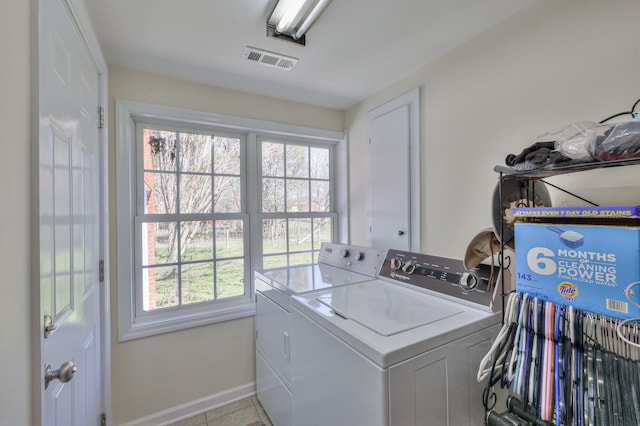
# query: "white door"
69 228
393 201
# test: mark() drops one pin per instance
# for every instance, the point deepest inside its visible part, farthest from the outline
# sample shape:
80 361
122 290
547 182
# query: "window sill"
150 327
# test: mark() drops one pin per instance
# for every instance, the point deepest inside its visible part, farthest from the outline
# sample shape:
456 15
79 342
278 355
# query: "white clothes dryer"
338 265
400 350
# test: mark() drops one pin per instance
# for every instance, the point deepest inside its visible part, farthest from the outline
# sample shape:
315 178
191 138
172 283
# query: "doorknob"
400 233
64 373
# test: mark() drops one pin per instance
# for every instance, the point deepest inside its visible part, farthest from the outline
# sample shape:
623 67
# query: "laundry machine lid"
302 279
386 309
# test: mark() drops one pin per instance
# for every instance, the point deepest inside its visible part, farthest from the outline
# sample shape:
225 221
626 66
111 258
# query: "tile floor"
245 412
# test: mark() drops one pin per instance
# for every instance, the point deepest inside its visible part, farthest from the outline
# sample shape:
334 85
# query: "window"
203 200
191 219
296 212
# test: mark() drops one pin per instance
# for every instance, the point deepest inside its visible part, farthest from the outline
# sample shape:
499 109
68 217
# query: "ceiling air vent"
271 59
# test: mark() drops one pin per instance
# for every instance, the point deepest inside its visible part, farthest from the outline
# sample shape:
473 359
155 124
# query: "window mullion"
309 198
213 210
178 160
252 160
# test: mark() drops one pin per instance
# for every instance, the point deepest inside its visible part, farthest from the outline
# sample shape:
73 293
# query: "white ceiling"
355 49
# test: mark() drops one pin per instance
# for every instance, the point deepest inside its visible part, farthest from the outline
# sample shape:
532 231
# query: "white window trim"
129 326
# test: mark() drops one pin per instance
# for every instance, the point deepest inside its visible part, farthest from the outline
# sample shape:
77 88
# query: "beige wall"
154 89
14 215
161 372
555 63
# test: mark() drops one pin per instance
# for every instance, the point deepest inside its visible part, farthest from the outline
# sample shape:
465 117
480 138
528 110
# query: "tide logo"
568 291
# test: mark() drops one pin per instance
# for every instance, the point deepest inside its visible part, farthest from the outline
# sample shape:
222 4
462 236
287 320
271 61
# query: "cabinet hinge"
103 419
100 117
101 271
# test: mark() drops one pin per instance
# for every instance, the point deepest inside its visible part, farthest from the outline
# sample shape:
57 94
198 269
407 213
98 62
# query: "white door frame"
412 100
80 19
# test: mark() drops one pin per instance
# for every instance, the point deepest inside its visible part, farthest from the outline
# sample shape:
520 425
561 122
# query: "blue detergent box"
568 213
591 267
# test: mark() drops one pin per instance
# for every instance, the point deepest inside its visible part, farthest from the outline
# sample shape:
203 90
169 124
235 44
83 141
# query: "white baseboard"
193 408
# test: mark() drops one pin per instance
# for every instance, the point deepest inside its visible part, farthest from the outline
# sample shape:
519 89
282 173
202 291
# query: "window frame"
131 325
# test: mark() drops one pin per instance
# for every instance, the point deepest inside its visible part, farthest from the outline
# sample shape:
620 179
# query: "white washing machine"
400 350
338 265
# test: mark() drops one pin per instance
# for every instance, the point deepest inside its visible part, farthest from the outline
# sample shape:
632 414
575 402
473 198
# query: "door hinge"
101 271
103 419
100 117
49 326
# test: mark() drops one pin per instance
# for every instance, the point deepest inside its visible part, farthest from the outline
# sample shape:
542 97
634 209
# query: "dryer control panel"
362 260
443 275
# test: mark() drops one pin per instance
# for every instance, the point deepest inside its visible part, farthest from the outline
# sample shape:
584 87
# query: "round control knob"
409 267
468 281
344 253
358 256
396 264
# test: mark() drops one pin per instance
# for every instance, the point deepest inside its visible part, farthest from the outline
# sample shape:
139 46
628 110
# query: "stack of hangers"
568 366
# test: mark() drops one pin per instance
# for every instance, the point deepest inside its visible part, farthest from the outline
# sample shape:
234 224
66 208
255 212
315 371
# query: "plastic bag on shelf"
616 141
573 140
566 143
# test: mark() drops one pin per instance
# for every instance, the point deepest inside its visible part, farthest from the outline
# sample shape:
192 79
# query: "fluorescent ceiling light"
294 17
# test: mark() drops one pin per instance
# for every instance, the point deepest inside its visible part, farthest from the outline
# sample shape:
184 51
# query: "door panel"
69 216
62 293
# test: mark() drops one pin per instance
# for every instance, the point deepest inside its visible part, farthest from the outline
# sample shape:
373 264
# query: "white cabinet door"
272 335
69 223
439 387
